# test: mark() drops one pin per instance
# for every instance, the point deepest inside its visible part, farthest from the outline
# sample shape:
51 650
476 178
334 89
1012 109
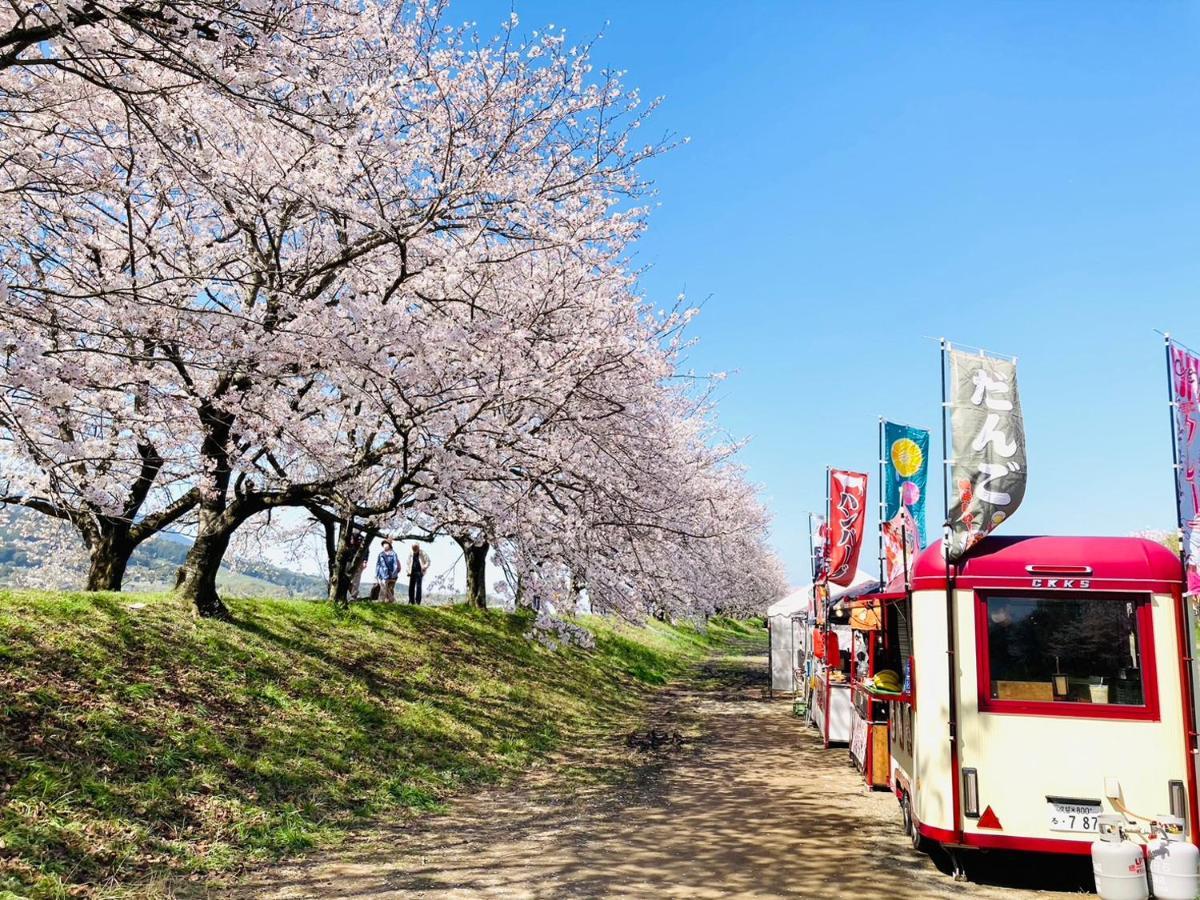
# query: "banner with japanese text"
1185 388
844 530
988 468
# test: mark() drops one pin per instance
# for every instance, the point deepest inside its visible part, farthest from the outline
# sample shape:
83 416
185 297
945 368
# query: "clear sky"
863 176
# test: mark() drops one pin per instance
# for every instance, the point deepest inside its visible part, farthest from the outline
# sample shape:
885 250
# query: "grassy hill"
141 743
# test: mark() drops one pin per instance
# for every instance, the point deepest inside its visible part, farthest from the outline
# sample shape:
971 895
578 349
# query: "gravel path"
750 806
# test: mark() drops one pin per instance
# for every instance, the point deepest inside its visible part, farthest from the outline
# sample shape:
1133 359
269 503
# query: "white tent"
787 620
794 602
863 583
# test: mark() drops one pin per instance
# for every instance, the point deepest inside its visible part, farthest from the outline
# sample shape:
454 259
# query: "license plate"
1073 817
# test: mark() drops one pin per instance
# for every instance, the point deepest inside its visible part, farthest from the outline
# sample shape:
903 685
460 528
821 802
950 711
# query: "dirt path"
751 806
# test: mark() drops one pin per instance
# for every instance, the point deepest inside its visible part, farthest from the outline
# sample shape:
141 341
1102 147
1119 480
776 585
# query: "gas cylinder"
1118 864
1174 862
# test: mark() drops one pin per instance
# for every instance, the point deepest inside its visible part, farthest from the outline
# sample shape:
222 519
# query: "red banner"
844 531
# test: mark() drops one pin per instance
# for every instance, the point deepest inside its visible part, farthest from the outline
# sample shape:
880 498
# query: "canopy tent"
863 583
787 621
794 602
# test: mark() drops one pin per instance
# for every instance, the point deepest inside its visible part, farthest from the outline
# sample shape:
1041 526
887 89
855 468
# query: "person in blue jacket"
387 570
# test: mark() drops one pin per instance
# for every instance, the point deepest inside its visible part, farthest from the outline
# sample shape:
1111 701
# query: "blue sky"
863 176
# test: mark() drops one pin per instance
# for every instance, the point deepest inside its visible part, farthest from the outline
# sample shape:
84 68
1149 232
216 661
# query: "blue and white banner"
905 472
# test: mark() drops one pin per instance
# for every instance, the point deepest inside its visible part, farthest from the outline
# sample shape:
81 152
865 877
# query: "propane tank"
1174 862
1118 864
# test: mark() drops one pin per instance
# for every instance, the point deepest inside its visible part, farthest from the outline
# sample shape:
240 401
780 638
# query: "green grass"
142 744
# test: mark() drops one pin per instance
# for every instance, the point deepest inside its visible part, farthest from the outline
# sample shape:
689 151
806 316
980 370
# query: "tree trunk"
520 600
109 549
109 557
197 579
341 566
330 527
475 556
198 575
577 588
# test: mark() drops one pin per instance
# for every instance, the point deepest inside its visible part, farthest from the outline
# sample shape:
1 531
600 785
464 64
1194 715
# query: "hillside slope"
140 742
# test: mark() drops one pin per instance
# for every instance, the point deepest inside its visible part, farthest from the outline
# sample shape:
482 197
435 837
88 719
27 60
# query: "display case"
869 751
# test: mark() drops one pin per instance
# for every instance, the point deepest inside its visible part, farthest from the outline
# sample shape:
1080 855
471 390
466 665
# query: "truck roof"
1056 563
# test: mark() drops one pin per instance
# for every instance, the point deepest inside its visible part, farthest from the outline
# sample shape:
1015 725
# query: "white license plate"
1073 817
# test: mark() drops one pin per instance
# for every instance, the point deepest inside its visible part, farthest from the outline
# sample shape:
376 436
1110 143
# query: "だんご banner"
905 472
844 530
988 470
1185 390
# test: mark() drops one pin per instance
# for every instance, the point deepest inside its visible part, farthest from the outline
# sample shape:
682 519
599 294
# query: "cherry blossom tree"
86 88
84 427
385 279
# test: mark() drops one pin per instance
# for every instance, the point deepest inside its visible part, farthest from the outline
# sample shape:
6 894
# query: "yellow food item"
887 680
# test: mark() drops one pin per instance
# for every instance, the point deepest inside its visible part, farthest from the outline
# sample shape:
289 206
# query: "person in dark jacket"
387 570
418 565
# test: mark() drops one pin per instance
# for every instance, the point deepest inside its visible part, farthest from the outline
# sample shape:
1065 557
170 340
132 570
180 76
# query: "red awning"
1056 563
875 599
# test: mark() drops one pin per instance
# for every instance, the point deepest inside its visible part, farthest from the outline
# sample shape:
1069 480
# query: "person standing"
387 570
418 565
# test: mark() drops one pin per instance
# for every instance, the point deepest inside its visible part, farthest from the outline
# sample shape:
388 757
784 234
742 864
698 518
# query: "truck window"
1069 649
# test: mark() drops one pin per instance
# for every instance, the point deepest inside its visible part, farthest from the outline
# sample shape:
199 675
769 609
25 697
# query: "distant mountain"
153 565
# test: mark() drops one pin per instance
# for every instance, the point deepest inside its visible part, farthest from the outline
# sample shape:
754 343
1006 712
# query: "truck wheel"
906 814
912 827
918 841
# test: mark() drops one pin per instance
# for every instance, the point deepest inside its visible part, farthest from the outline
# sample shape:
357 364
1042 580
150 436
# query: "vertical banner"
906 471
816 544
1185 389
821 600
844 530
987 435
905 474
900 544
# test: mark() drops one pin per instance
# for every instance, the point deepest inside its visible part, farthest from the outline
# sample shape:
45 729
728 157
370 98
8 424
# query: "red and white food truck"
1046 683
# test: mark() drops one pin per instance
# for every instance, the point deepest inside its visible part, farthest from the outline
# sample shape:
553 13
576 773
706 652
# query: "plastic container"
1174 862
1098 693
1118 864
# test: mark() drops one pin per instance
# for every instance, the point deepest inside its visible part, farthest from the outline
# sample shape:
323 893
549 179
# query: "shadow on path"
750 807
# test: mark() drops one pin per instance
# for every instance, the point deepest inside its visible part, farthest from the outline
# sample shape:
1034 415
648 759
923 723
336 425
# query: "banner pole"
812 549
1172 405
828 517
828 626
825 545
1185 606
883 575
945 454
951 661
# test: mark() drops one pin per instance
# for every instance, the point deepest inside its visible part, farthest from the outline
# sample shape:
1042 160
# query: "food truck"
832 705
832 709
1046 682
874 682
